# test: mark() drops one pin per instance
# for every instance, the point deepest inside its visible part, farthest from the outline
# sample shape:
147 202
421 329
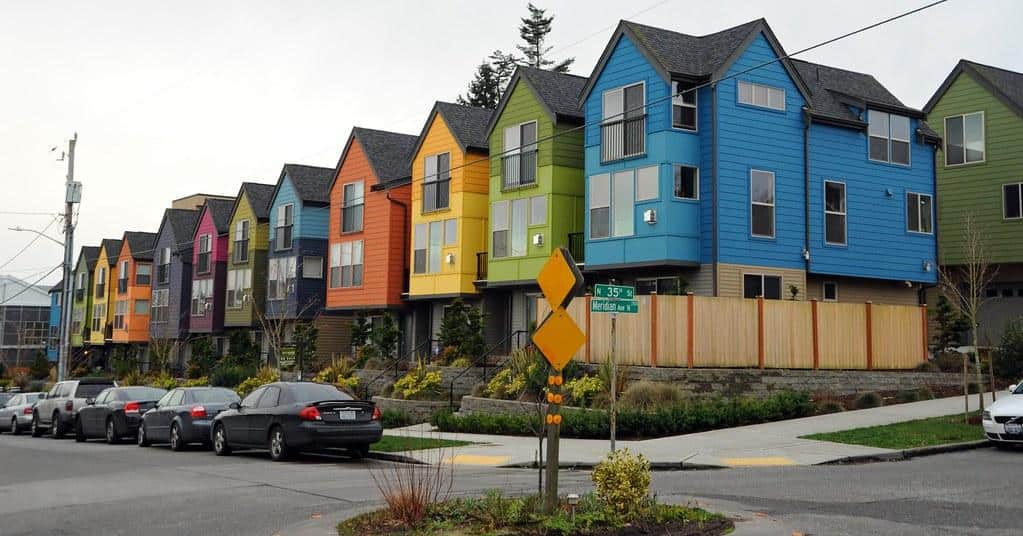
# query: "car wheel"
143 441
36 430
176 444
220 446
14 426
56 428
112 436
79 431
279 450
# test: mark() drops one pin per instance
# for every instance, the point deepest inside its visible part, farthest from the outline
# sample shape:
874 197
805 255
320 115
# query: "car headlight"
987 415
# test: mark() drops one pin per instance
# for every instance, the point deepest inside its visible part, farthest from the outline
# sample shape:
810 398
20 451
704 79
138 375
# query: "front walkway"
776 443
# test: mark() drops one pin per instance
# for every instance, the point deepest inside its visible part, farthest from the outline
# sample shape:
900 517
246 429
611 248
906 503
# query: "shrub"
460 362
163 381
925 393
340 372
646 395
927 366
264 376
133 377
410 489
479 389
949 361
196 382
462 330
903 397
392 418
373 363
203 358
869 400
230 375
621 381
622 482
40 367
581 390
419 383
1009 355
830 406
5 383
504 385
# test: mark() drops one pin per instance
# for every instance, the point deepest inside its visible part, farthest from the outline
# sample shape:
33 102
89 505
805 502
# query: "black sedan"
288 417
115 413
183 416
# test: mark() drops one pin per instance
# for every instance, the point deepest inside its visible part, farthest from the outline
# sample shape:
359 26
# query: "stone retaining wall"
418 410
463 385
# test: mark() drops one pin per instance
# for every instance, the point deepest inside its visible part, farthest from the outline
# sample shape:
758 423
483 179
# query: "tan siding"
730 279
855 290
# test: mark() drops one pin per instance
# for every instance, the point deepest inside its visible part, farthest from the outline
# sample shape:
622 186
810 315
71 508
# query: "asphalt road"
50 487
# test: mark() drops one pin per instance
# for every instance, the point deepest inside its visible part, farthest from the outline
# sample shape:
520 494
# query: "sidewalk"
775 443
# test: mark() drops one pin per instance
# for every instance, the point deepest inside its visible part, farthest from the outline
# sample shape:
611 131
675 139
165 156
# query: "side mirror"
90 401
1013 387
235 405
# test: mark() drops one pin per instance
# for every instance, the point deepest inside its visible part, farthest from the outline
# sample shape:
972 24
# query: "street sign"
602 305
559 338
616 292
287 356
559 278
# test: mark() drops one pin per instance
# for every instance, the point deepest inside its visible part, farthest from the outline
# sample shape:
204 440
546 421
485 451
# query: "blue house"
53 339
714 166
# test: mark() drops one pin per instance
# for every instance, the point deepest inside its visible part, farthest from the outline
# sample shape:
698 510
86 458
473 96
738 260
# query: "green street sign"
287 356
601 305
614 292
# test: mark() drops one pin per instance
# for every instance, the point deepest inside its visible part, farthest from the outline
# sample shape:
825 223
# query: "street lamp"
40 233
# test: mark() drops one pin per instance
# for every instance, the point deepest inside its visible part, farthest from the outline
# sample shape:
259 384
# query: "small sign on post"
614 299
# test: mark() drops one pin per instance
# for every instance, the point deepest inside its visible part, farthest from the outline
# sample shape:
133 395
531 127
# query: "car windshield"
90 390
139 393
4 397
214 396
315 392
1019 389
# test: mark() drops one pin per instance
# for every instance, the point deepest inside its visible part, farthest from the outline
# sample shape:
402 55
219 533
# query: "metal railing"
436 195
622 138
395 364
481 360
519 169
481 266
577 247
79 294
163 274
241 251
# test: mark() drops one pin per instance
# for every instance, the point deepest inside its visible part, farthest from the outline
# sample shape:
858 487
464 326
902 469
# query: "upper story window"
122 277
205 251
518 166
919 215
834 213
450 232
613 200
761 95
80 288
683 107
160 305
101 282
346 264
426 252
163 266
623 125
241 241
239 284
281 277
437 182
143 274
889 137
285 226
687 182
202 293
761 203
964 139
352 203
1012 201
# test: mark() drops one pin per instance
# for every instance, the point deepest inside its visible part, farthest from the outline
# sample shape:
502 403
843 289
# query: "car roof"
93 381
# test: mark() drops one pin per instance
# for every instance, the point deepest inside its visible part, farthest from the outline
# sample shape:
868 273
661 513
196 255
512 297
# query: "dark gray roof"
57 287
312 184
467 123
182 224
389 153
220 211
558 91
833 90
1004 84
260 196
112 248
91 253
689 55
141 244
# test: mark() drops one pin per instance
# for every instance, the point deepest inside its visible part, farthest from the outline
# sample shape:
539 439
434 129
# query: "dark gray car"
115 413
56 410
16 414
183 416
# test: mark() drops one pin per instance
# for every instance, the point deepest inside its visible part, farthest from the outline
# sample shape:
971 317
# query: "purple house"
209 267
172 284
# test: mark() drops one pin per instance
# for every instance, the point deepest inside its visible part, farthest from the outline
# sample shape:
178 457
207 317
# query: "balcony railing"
79 294
122 286
436 195
622 138
519 169
576 246
163 274
241 251
481 266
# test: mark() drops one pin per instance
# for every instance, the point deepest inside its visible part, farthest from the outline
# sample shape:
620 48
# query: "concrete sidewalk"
776 443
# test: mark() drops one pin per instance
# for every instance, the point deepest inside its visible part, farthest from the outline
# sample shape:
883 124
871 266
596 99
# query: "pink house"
209 266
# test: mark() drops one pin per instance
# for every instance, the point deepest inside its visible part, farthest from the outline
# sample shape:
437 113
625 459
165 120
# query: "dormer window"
889 137
683 107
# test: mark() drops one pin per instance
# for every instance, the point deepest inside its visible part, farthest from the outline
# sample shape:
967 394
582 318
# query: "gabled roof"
16 292
89 254
834 90
557 93
260 196
220 211
140 244
312 184
59 287
182 225
468 125
112 248
1005 85
389 155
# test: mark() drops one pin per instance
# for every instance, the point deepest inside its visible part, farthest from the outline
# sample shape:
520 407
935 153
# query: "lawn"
907 435
403 443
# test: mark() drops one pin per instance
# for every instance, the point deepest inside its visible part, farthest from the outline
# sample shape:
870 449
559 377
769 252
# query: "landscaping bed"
907 435
390 443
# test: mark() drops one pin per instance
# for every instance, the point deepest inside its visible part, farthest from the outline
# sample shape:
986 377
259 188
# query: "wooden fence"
698 331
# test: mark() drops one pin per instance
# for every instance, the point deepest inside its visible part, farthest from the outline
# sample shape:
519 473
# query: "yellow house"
450 191
104 285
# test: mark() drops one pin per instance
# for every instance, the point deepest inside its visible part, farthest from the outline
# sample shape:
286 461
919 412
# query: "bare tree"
164 353
275 327
964 285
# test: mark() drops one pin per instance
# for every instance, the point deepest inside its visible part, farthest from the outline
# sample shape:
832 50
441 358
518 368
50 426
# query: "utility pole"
72 195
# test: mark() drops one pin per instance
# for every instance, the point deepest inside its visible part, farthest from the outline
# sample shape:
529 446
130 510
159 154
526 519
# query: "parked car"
1003 420
183 416
4 397
115 413
16 414
56 409
288 417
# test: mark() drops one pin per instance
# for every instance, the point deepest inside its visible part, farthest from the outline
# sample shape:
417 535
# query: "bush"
479 390
392 418
622 481
903 397
264 376
230 375
646 395
830 406
340 372
1009 355
419 383
462 331
925 393
927 366
582 390
133 377
869 400
40 367
621 380
196 382
163 381
203 359
460 362
949 361
373 363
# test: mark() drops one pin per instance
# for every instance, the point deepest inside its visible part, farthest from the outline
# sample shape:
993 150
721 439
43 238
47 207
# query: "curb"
390 457
654 466
900 455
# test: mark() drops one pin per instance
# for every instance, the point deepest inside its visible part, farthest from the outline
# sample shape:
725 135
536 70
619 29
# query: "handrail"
486 353
394 364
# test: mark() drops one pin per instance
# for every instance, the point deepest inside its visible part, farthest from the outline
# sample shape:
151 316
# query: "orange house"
132 292
369 222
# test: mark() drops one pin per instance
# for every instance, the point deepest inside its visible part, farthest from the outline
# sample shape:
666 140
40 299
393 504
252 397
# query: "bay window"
683 107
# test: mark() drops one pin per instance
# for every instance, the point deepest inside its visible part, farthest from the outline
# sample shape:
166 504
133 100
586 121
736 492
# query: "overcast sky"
172 98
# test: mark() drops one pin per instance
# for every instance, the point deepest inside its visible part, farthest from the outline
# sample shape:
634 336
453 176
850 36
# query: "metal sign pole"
614 379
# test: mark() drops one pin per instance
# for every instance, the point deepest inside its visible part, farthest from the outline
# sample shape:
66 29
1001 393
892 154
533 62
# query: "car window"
31 398
102 397
270 397
176 397
6 398
89 390
165 399
54 390
250 401
1019 389
213 396
139 393
315 392
14 401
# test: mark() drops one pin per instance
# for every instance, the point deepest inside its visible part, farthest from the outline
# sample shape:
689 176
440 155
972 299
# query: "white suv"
1003 421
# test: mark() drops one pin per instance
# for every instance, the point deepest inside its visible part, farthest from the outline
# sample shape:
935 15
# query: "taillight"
69 406
376 414
198 412
131 407
28 411
310 414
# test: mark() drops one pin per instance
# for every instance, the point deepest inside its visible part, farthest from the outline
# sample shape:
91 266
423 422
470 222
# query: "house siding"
96 337
212 320
179 285
82 307
245 316
136 328
310 231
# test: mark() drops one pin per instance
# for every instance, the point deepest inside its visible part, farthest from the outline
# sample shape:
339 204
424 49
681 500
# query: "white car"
1003 421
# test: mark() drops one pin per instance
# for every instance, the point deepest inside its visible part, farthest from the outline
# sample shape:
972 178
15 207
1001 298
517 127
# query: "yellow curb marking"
475 459
764 461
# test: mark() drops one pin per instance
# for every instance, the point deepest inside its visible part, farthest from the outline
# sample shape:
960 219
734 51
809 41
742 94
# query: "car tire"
359 452
37 431
176 444
79 431
220 444
279 450
141 439
15 430
56 428
112 437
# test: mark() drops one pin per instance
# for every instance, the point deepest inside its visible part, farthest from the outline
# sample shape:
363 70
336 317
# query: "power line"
606 28
33 284
30 242
26 213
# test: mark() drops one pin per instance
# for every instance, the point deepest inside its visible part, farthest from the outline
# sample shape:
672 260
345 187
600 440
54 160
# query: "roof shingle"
468 124
389 153
220 211
312 184
112 248
558 91
696 56
260 196
141 244
91 253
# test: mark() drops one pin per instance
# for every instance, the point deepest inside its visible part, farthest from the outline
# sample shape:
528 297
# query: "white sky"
173 98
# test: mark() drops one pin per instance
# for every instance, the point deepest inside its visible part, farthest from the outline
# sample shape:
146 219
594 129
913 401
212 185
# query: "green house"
536 192
978 112
81 300
246 256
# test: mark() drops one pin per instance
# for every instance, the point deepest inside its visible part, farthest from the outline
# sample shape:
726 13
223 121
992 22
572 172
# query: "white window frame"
753 95
844 213
591 206
918 204
983 134
519 149
359 201
677 100
891 137
622 116
420 232
773 204
205 246
696 190
347 254
542 200
824 291
657 184
763 277
450 239
502 207
1019 201
317 261
280 222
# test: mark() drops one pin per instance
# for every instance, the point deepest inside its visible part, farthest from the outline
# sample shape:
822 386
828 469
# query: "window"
352 207
142 307
834 213
77 318
241 242
437 182
683 107
159 313
600 206
270 397
647 183
99 315
623 126
163 266
81 286
622 197
755 285
205 248
660 285
281 278
239 282
120 311
346 264
202 293
101 281
761 96
918 212
519 162
538 210
1012 201
889 137
830 291
436 239
450 232
964 139
419 249
312 267
687 182
122 277
762 203
143 274
285 226
499 227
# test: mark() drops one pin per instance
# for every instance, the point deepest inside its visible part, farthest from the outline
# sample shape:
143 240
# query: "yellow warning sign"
558 338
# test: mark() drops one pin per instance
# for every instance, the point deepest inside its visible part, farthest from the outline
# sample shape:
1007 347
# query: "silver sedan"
16 414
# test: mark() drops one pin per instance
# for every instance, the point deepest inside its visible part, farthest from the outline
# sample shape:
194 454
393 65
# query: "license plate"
1013 428
346 415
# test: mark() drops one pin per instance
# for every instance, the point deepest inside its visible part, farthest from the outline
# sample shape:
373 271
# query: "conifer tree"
534 30
484 90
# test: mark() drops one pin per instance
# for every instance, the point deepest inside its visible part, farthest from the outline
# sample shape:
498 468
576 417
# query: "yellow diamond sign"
558 338
559 278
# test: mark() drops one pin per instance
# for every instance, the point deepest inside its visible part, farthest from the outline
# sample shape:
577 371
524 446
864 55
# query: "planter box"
419 410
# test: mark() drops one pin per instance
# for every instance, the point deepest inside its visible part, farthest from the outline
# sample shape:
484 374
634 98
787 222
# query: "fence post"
589 331
870 337
816 336
690 330
653 329
923 323
760 331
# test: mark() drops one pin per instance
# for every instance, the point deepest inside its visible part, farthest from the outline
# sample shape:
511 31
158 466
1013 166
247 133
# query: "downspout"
406 225
807 122
937 228
714 187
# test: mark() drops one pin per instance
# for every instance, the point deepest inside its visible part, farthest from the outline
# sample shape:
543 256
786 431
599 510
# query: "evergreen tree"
360 329
504 67
305 337
484 90
951 324
385 336
534 30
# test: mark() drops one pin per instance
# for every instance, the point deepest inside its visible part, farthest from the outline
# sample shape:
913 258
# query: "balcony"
163 274
241 251
622 139
79 294
436 195
481 266
576 246
122 286
519 169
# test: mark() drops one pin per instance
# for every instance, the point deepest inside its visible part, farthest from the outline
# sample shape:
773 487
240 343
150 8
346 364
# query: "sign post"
614 299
